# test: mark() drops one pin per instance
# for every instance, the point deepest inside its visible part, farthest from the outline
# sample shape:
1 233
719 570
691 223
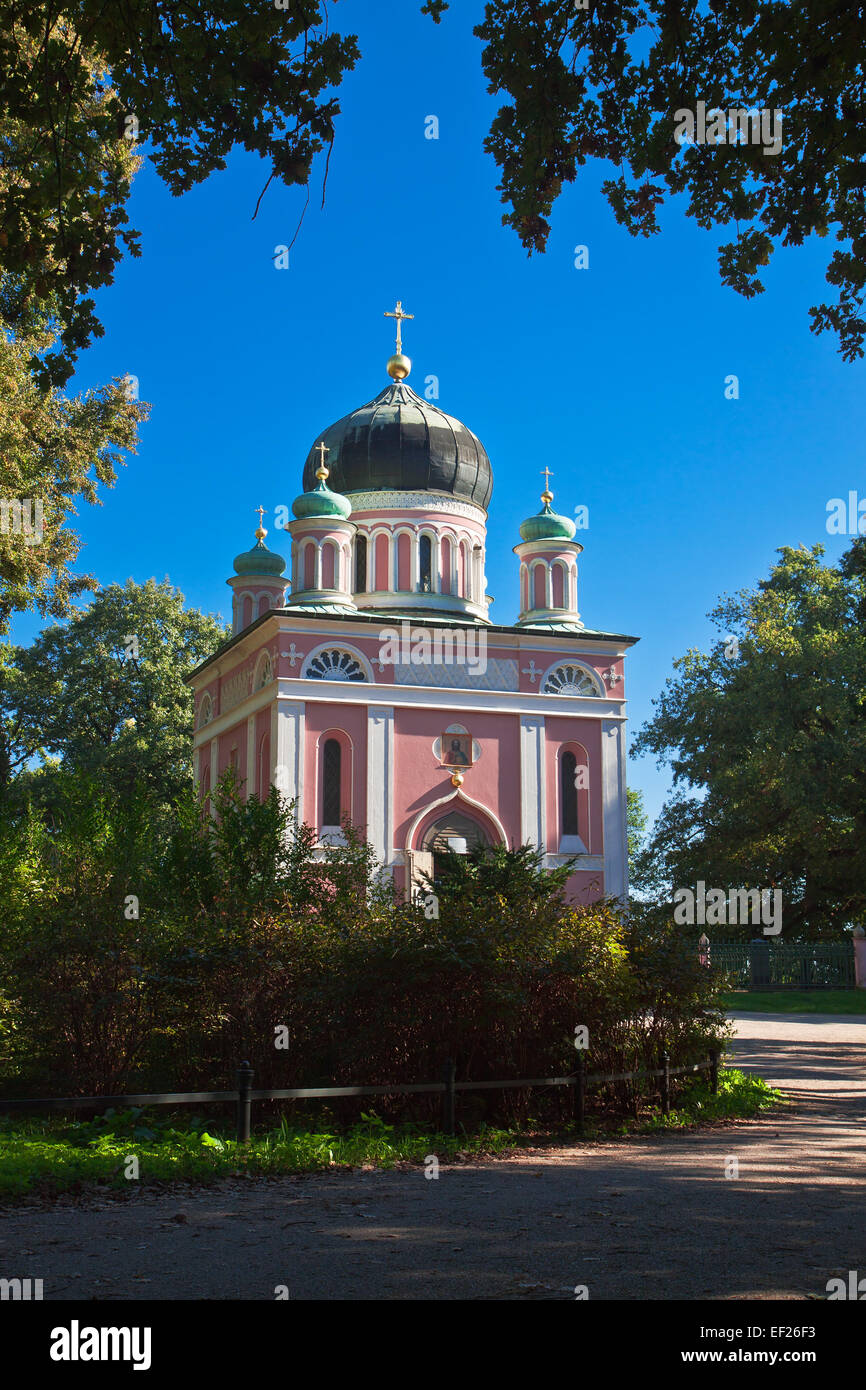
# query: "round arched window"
335 665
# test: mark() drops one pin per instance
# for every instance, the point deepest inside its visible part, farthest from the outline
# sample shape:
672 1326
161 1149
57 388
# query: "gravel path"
644 1218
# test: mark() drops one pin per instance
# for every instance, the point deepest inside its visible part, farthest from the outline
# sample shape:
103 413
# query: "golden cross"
261 533
322 451
399 316
547 477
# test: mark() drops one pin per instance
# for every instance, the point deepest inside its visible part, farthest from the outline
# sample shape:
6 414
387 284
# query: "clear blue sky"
614 375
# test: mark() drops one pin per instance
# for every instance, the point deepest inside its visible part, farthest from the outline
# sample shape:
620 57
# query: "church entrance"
455 832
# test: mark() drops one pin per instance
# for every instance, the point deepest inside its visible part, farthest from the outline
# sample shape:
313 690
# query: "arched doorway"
456 832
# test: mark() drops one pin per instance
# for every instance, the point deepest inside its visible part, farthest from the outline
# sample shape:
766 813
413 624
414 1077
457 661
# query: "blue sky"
614 375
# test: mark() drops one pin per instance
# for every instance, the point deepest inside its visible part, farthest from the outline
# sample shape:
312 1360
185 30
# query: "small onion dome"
321 502
547 524
260 561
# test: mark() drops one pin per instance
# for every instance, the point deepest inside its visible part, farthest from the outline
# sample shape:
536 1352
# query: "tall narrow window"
360 564
331 777
425 565
568 792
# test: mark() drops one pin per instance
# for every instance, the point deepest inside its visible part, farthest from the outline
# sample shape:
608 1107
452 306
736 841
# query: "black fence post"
580 1092
245 1086
714 1072
666 1083
449 1073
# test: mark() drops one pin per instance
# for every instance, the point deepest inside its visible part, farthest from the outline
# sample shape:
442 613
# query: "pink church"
374 685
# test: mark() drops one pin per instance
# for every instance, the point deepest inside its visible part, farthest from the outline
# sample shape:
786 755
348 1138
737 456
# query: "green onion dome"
322 502
547 524
260 561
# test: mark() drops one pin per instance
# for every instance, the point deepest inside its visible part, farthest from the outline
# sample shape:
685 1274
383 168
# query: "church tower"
381 692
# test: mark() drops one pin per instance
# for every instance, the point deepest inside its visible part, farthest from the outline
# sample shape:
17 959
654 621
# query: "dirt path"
647 1218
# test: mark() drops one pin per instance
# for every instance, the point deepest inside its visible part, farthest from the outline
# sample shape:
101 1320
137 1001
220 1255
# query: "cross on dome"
399 315
321 449
399 366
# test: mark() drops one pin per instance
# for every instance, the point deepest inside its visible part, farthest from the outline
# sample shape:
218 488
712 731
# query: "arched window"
360 564
559 586
572 680
568 793
332 760
404 561
329 566
264 605
247 611
540 586
309 553
334 664
425 565
446 564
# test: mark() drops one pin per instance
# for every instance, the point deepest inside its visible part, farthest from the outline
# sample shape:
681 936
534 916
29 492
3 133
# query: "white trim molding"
288 723
380 782
613 771
533 781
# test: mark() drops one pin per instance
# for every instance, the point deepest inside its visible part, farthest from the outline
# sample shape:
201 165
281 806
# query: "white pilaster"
613 771
380 781
533 781
287 751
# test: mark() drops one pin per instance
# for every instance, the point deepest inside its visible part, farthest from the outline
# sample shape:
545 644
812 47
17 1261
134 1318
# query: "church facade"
372 685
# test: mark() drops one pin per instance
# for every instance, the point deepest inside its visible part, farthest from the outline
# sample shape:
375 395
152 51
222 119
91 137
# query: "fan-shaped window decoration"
335 665
205 712
265 673
571 680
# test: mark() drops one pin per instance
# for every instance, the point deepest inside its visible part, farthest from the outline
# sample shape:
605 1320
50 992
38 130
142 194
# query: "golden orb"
457 779
399 366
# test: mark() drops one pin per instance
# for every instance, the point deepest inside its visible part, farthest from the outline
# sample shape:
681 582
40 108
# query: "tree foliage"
766 736
83 81
605 82
105 693
54 453
155 948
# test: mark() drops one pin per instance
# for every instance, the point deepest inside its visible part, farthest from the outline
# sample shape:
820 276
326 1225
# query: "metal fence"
447 1088
783 964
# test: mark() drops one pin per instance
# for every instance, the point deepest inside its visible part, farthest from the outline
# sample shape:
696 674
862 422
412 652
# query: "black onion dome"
400 442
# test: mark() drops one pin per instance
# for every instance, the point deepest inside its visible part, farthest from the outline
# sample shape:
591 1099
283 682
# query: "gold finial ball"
399 366
457 779
322 473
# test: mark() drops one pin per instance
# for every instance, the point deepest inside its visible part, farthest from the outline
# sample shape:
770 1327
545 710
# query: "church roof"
399 442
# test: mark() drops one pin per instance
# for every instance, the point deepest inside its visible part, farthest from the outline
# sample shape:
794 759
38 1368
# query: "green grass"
796 1001
740 1097
49 1156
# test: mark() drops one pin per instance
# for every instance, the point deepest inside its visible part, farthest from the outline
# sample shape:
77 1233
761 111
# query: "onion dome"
547 525
320 501
399 442
260 561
